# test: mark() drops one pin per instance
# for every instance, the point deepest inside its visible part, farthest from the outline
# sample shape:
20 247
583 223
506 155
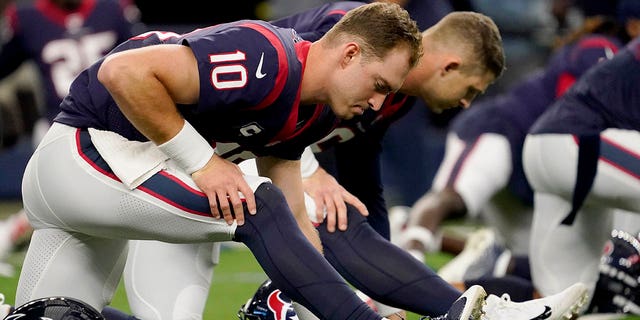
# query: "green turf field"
235 279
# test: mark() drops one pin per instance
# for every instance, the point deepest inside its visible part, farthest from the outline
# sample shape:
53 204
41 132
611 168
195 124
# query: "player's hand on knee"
223 183
330 197
341 214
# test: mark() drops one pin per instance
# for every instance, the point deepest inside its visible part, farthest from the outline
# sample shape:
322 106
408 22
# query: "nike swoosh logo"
608 53
546 314
259 73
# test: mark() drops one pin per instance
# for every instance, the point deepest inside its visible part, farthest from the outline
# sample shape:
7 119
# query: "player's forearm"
285 174
308 229
434 207
295 199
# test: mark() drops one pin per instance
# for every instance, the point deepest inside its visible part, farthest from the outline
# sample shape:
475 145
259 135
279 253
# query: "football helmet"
55 308
617 289
268 303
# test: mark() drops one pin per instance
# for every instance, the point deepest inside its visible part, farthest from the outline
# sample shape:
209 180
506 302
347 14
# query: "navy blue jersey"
573 60
373 123
351 152
250 75
607 96
61 43
513 113
311 25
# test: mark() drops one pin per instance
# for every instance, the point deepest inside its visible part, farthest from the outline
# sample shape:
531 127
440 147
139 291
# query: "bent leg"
383 271
167 207
293 264
185 271
552 269
60 263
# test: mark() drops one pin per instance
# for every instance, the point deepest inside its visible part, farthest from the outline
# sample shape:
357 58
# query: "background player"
62 38
581 158
482 173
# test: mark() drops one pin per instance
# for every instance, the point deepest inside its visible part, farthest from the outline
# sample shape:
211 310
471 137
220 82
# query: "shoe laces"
505 303
504 306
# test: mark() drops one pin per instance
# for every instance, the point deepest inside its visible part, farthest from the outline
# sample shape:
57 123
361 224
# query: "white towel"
133 162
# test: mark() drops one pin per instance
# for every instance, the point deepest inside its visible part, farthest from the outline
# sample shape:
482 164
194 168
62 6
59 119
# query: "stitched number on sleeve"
338 135
230 74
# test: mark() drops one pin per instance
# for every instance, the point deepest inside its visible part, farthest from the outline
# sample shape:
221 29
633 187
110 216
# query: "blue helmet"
268 303
55 308
617 289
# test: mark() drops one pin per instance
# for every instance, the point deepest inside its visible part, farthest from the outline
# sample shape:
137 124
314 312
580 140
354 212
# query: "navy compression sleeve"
383 271
293 264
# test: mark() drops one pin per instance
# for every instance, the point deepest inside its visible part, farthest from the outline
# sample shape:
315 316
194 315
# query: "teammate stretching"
62 38
135 138
582 158
447 76
481 175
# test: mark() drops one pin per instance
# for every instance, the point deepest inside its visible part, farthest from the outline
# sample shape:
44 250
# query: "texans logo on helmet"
277 305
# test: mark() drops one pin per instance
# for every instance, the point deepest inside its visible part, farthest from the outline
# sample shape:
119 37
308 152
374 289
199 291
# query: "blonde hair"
379 27
477 34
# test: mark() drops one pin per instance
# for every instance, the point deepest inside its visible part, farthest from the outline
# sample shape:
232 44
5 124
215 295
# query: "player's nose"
376 101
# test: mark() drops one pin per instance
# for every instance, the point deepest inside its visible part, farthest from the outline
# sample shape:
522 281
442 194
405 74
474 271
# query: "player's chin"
356 111
436 110
349 114
442 107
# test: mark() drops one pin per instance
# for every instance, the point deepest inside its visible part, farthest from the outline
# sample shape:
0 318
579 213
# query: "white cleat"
565 305
481 256
468 307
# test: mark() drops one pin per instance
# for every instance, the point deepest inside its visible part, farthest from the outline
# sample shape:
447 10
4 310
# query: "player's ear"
351 50
451 64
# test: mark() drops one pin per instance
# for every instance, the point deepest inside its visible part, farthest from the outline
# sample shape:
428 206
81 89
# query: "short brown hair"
479 33
380 27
